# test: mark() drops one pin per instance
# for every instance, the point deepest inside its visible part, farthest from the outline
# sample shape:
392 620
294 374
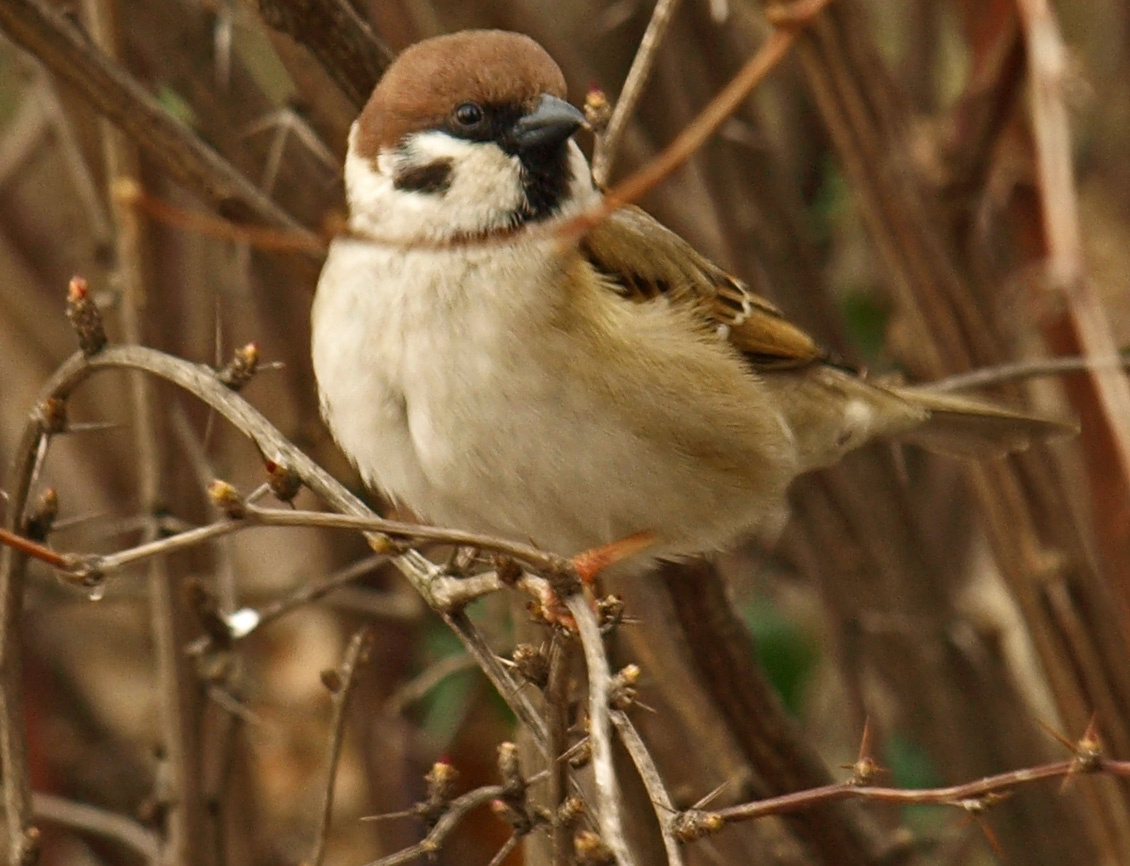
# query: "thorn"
388 816
987 829
865 769
1086 752
78 520
1056 735
258 493
709 798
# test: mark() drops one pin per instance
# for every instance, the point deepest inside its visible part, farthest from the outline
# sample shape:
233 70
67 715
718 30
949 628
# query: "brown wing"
644 260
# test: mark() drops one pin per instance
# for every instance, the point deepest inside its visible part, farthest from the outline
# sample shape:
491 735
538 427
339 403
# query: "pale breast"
465 389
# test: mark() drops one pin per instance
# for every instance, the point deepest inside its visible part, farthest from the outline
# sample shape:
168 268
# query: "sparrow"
494 379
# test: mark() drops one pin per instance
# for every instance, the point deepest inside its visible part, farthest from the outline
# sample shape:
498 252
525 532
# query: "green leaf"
785 651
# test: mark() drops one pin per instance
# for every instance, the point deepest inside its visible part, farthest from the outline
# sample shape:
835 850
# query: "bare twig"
697 132
88 567
604 154
340 683
194 449
970 795
985 376
23 837
608 813
783 761
981 115
27 547
212 226
649 774
246 620
98 822
1047 62
49 35
504 852
200 381
556 688
419 686
631 189
174 686
456 811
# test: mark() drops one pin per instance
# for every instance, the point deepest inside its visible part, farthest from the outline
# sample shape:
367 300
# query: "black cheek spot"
431 177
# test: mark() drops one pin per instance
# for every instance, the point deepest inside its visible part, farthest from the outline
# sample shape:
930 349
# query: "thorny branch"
665 811
203 382
969 796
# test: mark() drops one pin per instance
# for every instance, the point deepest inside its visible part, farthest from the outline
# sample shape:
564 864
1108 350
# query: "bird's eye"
468 114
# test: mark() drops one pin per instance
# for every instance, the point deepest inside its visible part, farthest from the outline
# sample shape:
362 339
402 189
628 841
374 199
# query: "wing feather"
645 261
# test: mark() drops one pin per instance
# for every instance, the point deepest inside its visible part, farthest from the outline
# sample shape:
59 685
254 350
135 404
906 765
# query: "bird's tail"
967 427
832 411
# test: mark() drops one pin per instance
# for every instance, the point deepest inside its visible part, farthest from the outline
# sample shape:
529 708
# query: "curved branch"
201 382
97 822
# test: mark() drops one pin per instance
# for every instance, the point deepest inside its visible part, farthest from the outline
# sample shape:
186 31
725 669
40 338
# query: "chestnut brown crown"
428 80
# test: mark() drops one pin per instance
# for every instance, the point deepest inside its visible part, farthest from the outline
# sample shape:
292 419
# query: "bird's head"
467 133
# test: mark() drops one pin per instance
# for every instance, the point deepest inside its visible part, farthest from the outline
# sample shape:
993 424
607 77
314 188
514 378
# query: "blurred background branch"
931 187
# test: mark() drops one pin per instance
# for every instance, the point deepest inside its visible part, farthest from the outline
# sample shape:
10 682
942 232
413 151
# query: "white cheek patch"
482 191
485 184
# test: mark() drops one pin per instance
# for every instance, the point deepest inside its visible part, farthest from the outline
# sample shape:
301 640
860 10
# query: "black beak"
553 121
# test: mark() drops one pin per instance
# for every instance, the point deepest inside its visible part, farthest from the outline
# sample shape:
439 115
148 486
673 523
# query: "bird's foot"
590 563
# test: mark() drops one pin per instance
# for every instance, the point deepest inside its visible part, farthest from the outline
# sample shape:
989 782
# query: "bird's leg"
589 563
